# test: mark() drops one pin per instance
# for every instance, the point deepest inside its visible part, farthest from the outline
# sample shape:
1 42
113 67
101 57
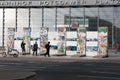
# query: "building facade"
50 13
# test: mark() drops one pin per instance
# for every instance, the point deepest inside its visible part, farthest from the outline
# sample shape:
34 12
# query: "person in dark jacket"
23 47
47 46
35 48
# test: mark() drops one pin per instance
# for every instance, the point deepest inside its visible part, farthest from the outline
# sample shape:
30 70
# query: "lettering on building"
15 3
43 3
107 2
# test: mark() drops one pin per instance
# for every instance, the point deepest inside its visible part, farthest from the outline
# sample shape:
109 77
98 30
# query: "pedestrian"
23 47
47 46
35 48
118 47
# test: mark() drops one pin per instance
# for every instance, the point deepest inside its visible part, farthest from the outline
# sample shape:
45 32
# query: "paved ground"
113 58
15 75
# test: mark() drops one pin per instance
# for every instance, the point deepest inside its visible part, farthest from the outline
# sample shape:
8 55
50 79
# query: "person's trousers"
34 53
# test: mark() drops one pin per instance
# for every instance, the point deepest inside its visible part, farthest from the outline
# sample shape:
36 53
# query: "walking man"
35 48
23 47
47 46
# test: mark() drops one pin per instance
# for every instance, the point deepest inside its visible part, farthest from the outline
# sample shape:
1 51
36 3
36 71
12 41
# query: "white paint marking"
105 72
88 64
111 66
100 77
12 63
52 65
20 69
116 69
38 67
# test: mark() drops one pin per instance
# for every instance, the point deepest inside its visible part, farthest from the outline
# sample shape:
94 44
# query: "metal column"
29 18
56 19
3 34
42 17
16 20
113 28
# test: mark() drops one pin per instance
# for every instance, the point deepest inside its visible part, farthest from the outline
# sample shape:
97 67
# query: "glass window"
22 21
91 12
49 18
36 22
36 19
22 18
10 20
77 17
106 20
106 13
62 13
1 25
10 17
91 18
117 24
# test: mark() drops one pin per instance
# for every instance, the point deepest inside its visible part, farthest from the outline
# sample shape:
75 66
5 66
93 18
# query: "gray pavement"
111 56
15 75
